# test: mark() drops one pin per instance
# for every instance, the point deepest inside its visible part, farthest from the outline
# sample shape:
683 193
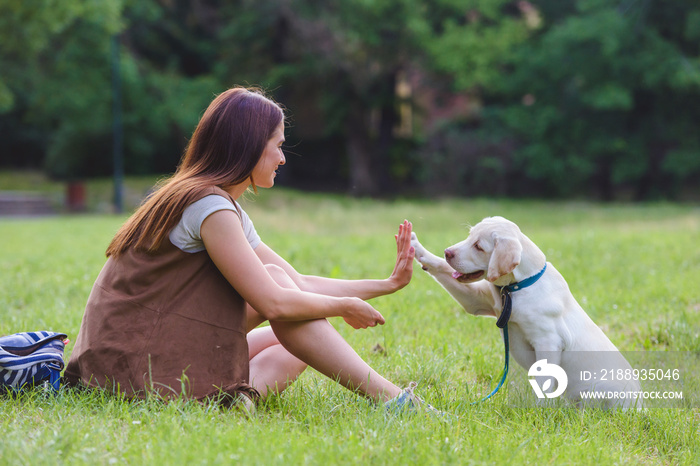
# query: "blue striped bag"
29 358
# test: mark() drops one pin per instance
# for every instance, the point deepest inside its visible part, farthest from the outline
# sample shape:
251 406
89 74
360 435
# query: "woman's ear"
504 258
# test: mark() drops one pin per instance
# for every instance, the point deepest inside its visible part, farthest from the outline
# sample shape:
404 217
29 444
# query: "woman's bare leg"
312 342
317 343
272 367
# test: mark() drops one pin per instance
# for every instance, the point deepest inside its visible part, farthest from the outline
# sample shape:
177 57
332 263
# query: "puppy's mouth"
467 277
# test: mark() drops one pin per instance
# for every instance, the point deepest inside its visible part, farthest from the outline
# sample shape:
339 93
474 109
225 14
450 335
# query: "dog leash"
502 322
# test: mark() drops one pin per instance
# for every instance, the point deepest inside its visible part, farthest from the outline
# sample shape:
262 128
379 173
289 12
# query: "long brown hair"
225 147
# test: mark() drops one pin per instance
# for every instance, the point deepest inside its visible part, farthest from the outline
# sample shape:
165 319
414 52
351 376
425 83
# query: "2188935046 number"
640 374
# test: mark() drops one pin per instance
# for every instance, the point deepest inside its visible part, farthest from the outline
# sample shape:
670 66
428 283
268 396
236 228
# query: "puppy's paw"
423 257
420 250
414 240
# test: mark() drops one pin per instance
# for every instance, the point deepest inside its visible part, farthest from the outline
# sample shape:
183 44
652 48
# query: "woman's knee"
260 339
280 276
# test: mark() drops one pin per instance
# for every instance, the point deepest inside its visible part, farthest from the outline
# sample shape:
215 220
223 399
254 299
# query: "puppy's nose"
449 254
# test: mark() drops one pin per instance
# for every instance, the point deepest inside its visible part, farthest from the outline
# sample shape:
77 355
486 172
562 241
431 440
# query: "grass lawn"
634 268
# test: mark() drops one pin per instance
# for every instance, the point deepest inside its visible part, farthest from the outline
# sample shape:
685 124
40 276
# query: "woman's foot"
407 401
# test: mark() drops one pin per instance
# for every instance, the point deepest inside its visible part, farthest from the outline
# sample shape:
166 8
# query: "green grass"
634 268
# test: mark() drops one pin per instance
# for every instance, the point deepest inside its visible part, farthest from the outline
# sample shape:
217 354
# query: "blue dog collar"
527 282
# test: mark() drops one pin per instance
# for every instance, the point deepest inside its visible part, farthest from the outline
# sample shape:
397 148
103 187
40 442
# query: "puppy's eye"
478 247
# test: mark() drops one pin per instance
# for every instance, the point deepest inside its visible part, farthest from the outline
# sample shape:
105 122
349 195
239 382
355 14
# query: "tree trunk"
362 174
371 138
362 177
604 180
388 120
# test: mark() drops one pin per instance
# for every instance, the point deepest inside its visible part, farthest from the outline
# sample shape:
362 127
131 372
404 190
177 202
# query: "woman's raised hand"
403 270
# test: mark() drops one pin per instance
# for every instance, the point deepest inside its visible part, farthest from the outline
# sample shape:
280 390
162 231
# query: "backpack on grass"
30 358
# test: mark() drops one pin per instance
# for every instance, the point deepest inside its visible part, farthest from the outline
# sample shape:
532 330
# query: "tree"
343 57
351 55
30 33
601 96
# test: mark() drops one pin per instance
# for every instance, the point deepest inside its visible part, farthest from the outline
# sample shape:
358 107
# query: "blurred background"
592 99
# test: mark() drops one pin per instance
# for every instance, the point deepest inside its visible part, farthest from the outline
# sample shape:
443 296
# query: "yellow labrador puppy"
546 325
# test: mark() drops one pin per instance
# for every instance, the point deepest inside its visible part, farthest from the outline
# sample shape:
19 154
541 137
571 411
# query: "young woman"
176 309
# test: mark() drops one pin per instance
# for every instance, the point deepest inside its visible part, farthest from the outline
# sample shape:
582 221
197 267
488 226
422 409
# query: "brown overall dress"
165 323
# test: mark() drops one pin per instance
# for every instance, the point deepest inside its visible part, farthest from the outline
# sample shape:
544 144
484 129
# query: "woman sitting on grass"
175 309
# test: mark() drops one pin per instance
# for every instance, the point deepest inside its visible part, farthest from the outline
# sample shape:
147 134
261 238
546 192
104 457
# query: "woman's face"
272 157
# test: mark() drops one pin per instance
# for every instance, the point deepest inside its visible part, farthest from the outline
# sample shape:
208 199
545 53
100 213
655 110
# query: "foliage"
612 256
557 98
602 96
52 74
28 28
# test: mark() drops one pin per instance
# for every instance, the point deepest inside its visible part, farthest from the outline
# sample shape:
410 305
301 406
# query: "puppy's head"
491 251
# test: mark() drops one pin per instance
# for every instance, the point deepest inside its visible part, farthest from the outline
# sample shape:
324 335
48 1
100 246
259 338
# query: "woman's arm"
364 289
228 248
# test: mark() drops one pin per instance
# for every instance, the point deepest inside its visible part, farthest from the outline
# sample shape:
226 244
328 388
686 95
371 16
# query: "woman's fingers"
403 238
403 269
364 315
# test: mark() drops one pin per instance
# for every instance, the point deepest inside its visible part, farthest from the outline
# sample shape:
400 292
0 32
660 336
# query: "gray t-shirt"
186 235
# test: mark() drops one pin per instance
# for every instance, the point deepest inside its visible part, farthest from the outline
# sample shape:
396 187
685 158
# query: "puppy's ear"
504 258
